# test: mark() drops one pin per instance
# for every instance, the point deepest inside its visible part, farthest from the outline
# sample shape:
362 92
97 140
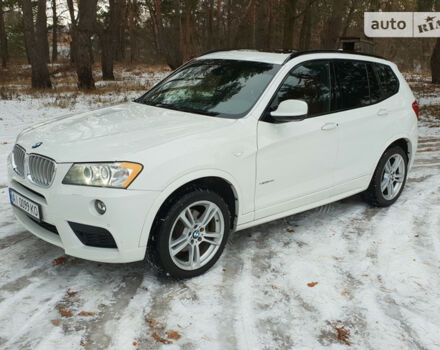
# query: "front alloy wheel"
190 235
196 235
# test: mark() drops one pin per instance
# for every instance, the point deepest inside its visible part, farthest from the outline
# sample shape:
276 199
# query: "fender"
387 144
170 188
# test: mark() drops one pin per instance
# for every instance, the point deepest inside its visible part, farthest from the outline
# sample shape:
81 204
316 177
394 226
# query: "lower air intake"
93 236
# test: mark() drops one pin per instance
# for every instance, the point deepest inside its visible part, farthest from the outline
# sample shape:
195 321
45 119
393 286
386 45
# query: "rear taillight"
415 107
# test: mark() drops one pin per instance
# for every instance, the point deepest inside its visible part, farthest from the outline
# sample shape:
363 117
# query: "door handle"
329 126
382 112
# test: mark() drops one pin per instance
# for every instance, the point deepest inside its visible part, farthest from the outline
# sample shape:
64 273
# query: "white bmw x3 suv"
230 140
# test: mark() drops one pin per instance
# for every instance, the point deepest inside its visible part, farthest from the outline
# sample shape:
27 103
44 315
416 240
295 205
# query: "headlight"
117 175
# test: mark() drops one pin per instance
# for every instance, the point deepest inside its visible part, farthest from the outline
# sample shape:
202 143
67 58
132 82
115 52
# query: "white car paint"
275 170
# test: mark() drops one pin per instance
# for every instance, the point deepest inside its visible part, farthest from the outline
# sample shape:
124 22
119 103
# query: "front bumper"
61 204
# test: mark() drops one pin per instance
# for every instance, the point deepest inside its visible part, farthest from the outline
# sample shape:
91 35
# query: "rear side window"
352 78
310 82
373 82
388 80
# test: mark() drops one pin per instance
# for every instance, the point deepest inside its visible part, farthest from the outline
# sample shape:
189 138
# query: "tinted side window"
353 84
388 80
375 91
309 82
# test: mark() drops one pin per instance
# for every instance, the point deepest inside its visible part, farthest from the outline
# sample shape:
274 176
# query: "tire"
379 195
183 228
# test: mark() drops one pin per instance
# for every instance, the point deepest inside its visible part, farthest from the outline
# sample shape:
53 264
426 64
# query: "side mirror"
290 110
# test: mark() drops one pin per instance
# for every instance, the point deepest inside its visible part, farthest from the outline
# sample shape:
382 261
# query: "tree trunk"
188 50
210 25
243 33
229 24
108 39
349 18
169 34
173 60
72 50
122 25
72 30
3 38
83 44
154 28
268 44
435 62
173 39
158 12
289 24
35 43
254 24
132 30
41 31
332 26
106 57
306 29
54 31
219 39
426 6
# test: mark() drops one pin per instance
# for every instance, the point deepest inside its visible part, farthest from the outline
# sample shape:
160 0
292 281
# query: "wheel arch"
221 182
404 142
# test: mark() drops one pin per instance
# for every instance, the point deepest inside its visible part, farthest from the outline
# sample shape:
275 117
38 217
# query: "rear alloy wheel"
193 234
388 179
393 175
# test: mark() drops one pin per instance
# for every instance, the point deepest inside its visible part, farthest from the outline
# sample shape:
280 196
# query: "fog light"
100 207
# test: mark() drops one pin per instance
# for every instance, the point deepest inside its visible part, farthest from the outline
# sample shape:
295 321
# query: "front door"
296 160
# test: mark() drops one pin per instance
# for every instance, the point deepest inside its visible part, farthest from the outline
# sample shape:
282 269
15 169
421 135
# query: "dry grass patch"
430 110
131 80
15 83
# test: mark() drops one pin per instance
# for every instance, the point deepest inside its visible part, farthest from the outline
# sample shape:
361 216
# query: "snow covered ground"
341 275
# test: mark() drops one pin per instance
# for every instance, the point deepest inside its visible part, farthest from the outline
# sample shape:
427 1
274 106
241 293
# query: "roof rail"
294 53
221 50
248 49
300 53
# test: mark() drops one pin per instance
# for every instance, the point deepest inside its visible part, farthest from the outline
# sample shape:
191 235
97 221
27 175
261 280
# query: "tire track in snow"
275 308
13 239
31 302
158 313
231 271
395 286
356 235
188 302
392 309
98 332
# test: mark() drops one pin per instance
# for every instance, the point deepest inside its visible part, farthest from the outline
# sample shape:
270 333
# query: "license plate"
21 202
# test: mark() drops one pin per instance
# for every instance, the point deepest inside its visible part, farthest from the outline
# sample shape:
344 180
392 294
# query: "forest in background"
173 31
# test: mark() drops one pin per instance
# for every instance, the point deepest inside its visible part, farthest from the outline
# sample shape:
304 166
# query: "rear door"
364 122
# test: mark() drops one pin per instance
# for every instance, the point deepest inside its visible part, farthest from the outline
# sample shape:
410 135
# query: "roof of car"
247 55
274 57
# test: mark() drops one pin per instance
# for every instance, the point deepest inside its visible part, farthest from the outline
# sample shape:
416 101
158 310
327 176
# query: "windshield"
222 88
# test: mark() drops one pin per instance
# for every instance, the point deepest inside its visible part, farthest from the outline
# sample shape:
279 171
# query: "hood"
114 133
